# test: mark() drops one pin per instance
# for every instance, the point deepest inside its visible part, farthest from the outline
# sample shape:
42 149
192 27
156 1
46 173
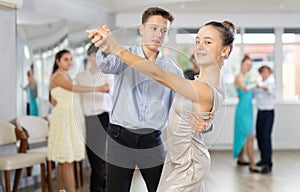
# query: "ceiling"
38 19
205 6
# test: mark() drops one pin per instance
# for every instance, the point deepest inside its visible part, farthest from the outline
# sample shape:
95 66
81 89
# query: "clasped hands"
101 37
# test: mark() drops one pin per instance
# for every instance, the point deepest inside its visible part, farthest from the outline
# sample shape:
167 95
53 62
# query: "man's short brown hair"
156 11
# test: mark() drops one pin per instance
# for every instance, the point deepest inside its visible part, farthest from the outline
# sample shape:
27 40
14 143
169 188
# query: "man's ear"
225 52
141 29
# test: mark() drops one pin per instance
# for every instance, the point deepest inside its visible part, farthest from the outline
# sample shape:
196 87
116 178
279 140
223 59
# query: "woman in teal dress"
243 124
31 87
33 107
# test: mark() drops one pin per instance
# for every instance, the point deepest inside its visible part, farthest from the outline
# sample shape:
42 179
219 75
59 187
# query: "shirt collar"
141 53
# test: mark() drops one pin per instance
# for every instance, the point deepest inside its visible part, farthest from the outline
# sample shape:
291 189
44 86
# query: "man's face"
154 31
265 73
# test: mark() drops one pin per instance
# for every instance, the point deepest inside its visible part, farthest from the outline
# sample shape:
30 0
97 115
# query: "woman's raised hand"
103 39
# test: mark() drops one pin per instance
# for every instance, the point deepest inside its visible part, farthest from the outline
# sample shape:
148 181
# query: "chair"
12 160
37 130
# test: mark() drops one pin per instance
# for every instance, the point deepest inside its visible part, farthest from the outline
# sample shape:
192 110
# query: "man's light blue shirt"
138 100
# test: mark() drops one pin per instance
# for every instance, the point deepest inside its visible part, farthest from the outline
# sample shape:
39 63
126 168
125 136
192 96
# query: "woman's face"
209 48
246 65
65 62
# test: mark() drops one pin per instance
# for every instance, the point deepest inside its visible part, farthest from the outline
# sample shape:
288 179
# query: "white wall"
286 129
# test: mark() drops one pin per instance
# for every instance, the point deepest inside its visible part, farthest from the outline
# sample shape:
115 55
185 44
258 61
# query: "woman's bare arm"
191 89
65 82
240 82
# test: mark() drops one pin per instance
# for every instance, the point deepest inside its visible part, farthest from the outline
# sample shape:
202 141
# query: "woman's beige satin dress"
187 161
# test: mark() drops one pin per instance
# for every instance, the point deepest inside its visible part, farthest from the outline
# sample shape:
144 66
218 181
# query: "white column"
8 64
278 63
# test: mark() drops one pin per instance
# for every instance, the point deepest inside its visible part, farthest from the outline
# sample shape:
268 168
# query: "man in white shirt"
265 100
96 107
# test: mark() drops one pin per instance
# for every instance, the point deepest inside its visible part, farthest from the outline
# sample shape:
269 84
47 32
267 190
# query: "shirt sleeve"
109 64
271 88
110 81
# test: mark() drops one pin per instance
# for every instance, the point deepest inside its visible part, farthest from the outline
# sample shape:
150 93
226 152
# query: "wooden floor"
226 176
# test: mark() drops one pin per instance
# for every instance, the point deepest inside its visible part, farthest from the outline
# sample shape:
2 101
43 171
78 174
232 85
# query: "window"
259 45
261 55
291 36
185 41
230 69
291 64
